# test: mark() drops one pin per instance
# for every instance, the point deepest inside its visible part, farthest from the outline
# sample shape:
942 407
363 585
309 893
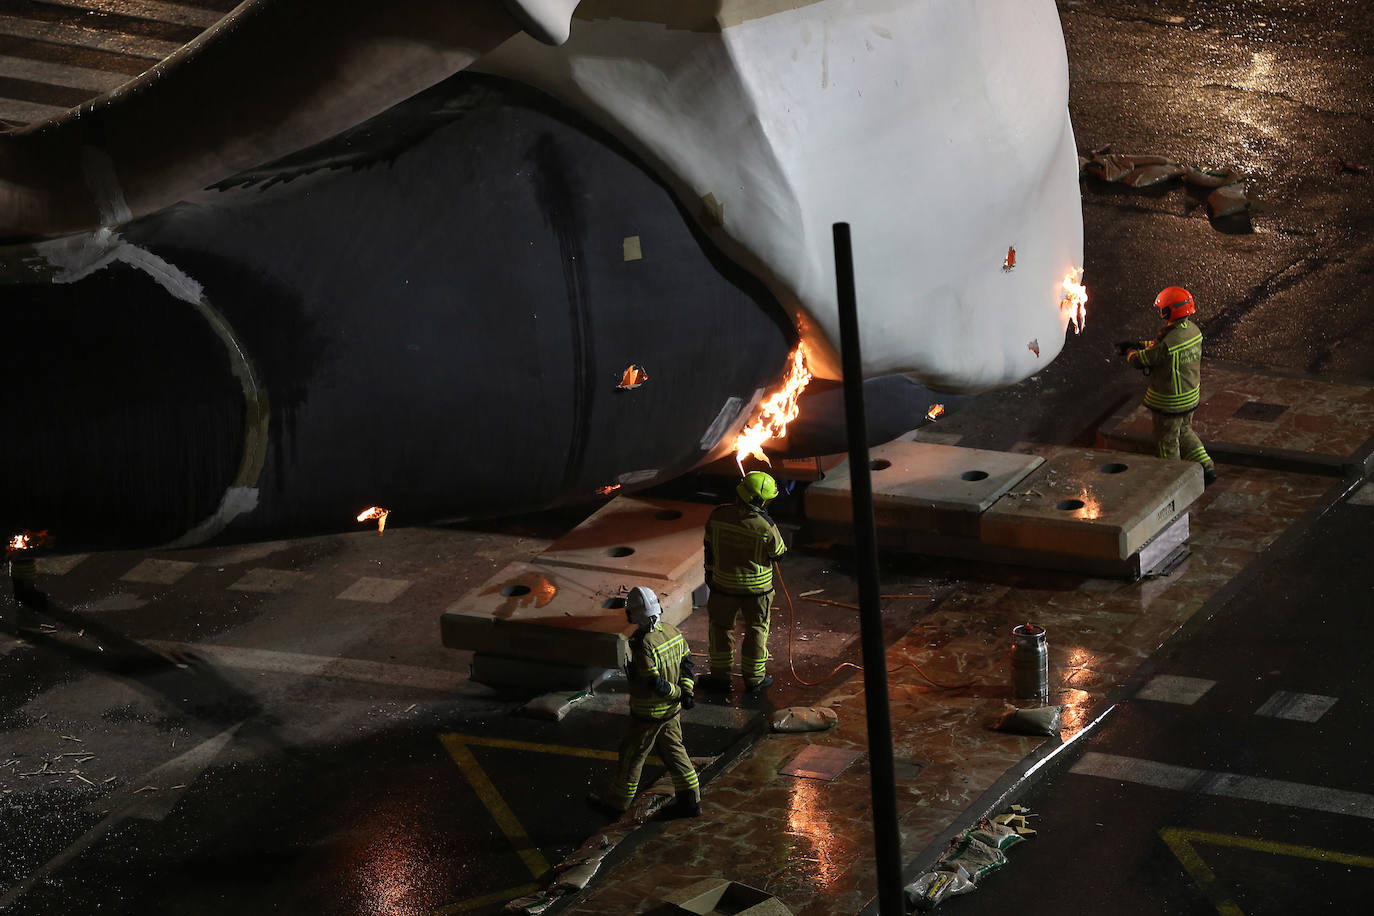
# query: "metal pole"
882 778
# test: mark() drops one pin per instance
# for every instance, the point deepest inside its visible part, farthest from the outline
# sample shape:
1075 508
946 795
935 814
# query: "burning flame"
1075 299
26 540
772 416
633 377
608 489
379 514
936 411
1010 261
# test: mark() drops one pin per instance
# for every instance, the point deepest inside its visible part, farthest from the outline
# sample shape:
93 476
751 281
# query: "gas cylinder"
1030 663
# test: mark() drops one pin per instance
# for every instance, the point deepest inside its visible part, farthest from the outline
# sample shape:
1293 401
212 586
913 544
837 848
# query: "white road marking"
183 770
348 669
1228 785
159 572
377 591
1300 707
1170 688
60 566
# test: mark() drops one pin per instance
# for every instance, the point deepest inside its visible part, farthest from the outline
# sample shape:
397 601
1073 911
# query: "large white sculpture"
938 129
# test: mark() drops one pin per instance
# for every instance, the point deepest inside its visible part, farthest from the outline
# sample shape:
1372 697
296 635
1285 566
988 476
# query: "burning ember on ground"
27 540
936 411
379 514
1075 299
777 410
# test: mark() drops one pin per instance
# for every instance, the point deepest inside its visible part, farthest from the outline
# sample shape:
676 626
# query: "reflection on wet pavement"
810 842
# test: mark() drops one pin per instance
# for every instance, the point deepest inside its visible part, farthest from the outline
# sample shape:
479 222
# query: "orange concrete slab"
637 537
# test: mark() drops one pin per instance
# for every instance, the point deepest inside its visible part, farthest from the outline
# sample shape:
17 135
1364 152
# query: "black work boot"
687 804
754 690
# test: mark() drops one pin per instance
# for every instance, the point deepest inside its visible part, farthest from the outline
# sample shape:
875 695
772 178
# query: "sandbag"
804 719
1041 721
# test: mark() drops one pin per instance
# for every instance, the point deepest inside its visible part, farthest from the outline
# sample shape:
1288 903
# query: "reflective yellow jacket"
741 543
1173 361
660 672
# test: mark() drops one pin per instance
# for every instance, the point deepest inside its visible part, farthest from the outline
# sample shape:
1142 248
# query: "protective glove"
688 700
1125 346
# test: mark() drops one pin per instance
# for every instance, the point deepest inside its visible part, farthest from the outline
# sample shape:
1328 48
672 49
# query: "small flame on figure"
379 514
26 540
1075 299
1010 261
936 411
772 416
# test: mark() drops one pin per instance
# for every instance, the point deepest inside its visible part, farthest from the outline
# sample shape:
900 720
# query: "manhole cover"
1259 410
816 761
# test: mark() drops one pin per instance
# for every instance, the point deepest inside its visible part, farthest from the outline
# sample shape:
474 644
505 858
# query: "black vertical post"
886 839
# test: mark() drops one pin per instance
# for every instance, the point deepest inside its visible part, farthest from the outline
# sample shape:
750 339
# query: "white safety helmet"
642 608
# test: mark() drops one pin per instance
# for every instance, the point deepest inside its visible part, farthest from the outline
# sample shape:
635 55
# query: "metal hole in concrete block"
974 475
1068 505
816 761
621 551
513 591
613 604
879 464
1114 467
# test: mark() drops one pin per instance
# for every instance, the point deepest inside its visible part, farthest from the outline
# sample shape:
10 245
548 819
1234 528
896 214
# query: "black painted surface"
440 309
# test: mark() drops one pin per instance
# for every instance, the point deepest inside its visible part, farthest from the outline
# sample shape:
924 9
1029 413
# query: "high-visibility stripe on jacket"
741 543
656 672
1174 363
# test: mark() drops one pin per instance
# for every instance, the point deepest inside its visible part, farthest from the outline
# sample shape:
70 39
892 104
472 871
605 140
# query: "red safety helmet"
1174 302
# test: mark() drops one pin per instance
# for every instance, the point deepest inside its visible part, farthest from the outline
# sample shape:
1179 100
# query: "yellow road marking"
464 906
1181 841
505 817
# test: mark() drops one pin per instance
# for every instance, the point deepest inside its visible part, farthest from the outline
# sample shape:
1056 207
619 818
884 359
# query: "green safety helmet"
757 488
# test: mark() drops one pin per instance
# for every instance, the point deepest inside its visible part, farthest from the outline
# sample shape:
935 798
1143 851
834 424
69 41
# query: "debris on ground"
556 705
804 719
972 855
1043 720
1228 199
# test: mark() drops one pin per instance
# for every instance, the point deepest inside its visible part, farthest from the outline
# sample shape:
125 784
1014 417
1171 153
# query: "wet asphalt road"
1136 819
336 793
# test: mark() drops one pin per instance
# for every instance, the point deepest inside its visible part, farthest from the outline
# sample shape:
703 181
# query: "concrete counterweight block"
921 487
636 537
570 617
1095 505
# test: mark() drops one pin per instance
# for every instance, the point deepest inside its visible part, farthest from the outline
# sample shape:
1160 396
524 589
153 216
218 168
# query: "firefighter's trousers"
722 611
1174 438
643 736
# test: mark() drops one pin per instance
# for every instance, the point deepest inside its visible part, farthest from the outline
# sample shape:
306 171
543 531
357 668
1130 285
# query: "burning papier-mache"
772 416
379 514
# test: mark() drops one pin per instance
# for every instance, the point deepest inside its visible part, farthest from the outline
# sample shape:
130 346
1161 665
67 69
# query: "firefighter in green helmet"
741 544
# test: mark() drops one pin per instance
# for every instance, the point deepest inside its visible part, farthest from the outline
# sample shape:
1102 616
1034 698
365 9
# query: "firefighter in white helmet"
661 685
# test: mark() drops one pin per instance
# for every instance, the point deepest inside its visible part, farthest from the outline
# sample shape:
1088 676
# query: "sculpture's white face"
938 129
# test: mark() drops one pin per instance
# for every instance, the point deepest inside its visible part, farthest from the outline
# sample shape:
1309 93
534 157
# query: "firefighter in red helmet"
1173 363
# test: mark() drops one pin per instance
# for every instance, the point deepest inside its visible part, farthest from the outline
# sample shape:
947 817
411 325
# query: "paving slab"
636 536
1093 503
923 487
567 616
1269 419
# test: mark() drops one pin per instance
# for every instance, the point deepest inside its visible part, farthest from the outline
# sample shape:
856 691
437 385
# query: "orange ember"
26 540
936 411
633 377
608 489
379 514
1010 262
1075 299
777 410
